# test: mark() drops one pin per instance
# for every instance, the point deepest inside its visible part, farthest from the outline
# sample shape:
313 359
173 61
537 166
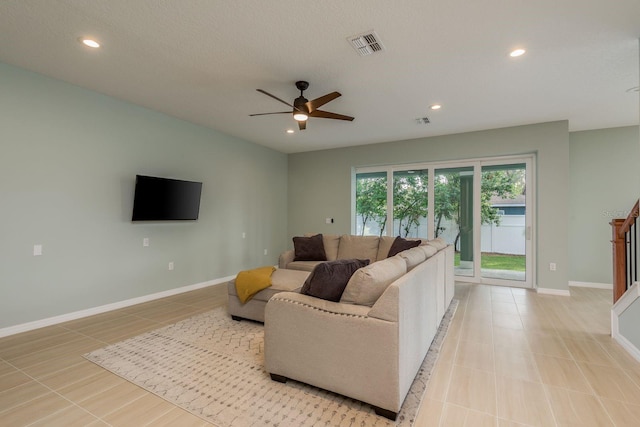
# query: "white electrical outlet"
265 251
552 266
145 242
244 235
37 250
171 266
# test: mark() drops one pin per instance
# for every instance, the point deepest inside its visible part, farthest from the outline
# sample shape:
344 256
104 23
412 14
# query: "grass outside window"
493 261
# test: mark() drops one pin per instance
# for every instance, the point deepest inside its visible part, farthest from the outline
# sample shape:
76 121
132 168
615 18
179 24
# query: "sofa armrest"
334 346
285 258
388 306
319 304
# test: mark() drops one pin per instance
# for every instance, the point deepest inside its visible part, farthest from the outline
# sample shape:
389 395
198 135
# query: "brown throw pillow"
328 279
309 248
401 244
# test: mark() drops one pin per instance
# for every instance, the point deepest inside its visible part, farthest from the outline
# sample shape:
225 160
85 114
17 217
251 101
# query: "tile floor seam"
593 390
495 371
606 411
164 413
455 353
103 418
51 390
19 385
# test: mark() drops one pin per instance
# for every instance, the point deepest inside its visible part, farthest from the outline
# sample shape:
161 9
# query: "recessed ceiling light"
89 42
517 52
289 130
436 107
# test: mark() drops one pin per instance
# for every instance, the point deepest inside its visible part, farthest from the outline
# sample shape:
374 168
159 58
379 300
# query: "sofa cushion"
438 243
429 250
400 244
368 283
328 280
303 265
413 257
358 247
331 243
384 246
309 248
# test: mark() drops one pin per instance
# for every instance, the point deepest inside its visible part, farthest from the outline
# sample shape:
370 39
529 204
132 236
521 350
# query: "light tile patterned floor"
512 358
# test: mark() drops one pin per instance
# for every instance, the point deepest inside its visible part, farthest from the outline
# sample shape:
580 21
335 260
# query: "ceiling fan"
303 108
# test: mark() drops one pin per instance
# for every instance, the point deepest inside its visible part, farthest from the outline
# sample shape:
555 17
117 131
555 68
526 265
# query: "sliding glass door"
481 207
504 235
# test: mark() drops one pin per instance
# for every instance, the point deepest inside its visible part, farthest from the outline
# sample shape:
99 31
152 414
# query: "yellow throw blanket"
250 282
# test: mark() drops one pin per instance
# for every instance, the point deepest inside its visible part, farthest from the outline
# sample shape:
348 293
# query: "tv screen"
163 199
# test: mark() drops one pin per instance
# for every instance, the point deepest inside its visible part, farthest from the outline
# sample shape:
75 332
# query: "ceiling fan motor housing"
300 104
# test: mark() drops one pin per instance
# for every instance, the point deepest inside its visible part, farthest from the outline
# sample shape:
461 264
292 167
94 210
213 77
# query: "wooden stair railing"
625 252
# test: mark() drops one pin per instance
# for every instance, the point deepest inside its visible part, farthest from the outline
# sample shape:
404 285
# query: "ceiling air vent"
366 43
423 120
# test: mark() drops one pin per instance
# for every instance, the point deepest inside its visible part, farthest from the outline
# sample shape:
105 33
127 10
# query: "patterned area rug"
212 366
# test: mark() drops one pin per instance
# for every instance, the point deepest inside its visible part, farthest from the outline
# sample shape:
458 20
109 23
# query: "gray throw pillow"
328 279
309 248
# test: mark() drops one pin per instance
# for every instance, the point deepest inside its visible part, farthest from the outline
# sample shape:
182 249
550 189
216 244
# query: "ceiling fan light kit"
303 109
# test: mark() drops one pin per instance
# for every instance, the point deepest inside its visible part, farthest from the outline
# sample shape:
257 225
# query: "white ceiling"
202 61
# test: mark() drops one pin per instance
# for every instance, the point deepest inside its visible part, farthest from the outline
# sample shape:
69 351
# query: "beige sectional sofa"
370 344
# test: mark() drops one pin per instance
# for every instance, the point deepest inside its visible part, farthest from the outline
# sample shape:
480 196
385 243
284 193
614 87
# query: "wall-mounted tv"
163 199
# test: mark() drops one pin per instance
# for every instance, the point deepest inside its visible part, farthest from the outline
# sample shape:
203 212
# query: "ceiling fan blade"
302 125
319 102
276 98
264 114
328 115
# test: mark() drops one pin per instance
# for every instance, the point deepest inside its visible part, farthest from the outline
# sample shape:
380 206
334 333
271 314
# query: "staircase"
625 313
625 252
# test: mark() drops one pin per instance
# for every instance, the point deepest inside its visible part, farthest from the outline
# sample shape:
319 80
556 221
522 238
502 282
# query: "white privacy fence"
507 238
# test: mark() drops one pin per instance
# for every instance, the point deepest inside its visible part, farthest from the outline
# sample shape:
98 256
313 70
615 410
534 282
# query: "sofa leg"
279 378
236 318
386 413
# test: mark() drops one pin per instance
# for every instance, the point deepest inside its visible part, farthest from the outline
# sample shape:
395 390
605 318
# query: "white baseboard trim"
24 327
632 294
626 344
558 292
593 285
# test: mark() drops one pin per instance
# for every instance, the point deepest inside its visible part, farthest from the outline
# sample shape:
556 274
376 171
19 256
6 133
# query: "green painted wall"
320 182
603 184
68 160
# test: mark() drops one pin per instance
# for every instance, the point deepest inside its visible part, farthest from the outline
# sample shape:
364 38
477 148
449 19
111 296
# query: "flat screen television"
163 199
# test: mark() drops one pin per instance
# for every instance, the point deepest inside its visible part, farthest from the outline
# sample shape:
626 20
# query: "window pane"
410 206
503 232
371 203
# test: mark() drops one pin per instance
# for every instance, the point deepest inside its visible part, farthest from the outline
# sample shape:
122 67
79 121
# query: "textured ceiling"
202 61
